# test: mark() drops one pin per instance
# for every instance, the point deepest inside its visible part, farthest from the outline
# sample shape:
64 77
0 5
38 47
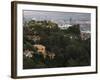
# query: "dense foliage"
66 44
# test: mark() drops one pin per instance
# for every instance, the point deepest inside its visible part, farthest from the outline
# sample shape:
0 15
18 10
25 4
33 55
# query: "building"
64 26
85 35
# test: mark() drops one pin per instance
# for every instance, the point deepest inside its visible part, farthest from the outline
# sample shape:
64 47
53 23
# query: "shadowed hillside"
45 45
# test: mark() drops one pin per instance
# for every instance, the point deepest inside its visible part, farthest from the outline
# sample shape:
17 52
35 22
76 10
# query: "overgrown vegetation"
67 45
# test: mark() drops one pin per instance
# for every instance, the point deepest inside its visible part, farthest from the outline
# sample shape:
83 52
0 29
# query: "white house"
28 53
64 26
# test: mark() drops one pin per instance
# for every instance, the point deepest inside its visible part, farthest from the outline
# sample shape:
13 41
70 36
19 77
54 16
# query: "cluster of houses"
84 34
41 49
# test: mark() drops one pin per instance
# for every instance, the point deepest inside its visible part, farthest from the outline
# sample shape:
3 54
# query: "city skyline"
60 18
57 16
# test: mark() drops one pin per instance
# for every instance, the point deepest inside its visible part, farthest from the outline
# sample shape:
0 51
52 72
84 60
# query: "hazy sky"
59 17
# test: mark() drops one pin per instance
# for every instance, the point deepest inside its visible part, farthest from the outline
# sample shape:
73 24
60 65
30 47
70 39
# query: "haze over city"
60 17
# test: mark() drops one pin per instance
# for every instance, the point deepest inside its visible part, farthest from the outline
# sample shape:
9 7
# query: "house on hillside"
85 35
64 26
28 53
40 49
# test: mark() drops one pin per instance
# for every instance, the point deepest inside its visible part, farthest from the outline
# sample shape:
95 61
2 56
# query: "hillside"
54 47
